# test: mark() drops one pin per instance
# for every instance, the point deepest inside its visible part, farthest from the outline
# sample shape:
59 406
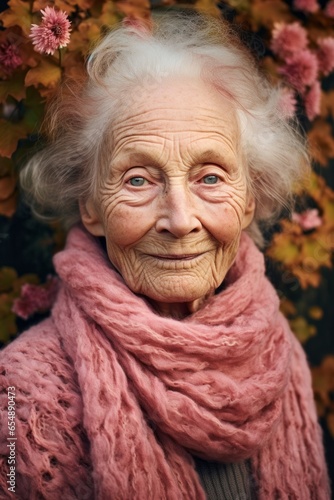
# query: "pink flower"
287 39
329 9
308 220
312 101
300 70
325 55
306 5
10 57
287 103
53 33
35 298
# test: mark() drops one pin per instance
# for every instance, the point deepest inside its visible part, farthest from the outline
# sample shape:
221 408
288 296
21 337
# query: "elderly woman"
166 370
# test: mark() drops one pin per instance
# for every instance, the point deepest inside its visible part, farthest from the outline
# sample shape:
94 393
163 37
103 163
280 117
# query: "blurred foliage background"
294 42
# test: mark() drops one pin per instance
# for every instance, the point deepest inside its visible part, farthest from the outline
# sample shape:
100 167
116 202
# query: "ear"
91 218
249 211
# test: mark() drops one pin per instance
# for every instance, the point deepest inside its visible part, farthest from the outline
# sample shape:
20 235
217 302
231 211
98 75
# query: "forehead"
178 110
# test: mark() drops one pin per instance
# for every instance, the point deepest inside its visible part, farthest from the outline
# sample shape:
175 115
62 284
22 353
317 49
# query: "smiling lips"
177 257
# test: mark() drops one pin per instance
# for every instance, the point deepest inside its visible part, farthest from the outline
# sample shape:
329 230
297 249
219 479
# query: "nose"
178 213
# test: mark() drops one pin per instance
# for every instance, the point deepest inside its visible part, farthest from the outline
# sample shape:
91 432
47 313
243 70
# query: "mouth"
177 256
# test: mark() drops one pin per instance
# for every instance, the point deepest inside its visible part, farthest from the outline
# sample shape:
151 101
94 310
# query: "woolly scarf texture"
227 383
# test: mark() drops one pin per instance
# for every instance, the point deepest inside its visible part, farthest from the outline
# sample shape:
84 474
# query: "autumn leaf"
135 9
283 250
268 12
10 134
8 195
316 312
307 276
13 87
34 108
287 307
88 32
328 209
313 251
109 14
302 329
327 104
321 142
68 7
6 167
207 7
17 14
8 327
46 73
7 277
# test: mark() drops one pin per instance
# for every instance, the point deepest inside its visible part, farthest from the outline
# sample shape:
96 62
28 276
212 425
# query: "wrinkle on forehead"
180 111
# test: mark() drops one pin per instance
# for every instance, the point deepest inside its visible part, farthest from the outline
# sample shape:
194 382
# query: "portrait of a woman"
166 370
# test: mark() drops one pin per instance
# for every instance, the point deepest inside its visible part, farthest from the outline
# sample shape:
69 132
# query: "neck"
178 310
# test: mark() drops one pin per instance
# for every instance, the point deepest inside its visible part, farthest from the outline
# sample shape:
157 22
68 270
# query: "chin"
179 294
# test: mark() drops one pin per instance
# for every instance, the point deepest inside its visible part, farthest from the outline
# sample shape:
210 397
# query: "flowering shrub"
43 41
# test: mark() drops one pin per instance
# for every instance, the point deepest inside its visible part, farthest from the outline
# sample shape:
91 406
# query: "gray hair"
80 120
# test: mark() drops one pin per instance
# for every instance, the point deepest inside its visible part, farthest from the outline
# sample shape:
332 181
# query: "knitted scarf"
227 383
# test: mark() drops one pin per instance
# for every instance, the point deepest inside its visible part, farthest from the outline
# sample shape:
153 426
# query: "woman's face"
174 201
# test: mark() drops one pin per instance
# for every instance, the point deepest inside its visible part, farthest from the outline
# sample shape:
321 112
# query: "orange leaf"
45 73
60 4
88 31
6 167
109 15
268 12
13 87
8 206
136 9
321 142
307 276
10 134
18 14
208 7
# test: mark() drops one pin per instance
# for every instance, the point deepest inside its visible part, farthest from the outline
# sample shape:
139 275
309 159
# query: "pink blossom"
287 39
329 9
313 101
53 32
35 298
325 55
300 70
10 57
306 5
308 220
287 103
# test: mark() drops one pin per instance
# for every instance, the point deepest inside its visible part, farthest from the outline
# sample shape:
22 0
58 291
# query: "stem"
60 57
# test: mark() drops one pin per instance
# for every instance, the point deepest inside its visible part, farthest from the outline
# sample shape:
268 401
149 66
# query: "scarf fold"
227 383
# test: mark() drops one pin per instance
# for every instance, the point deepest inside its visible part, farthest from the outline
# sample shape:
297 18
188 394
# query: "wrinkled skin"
174 201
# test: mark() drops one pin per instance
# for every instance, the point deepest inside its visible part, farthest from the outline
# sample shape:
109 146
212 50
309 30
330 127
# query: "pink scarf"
228 383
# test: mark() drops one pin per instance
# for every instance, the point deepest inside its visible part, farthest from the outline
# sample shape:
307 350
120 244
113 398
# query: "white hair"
80 121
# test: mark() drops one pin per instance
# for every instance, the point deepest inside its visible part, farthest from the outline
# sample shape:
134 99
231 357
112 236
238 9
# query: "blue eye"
137 181
210 179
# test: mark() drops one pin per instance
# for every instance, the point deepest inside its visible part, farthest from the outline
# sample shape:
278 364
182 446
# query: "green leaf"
7 277
302 329
8 327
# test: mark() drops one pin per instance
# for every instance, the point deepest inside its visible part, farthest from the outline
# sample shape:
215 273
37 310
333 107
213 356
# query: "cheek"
125 225
223 222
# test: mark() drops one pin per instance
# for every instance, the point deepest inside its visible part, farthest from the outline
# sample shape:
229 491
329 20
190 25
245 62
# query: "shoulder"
37 353
51 445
